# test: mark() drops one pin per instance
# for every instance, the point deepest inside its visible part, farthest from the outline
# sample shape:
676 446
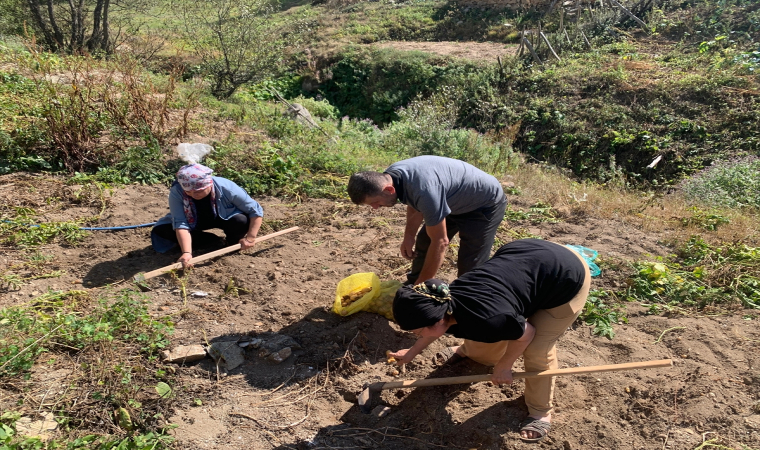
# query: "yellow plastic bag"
383 304
352 284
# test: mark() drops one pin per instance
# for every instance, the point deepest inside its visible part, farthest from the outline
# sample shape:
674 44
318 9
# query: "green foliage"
700 276
538 213
600 315
374 84
733 184
99 115
237 41
705 220
317 108
22 230
11 440
54 320
288 86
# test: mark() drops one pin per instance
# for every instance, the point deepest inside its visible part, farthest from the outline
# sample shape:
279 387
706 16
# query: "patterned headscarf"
422 305
194 177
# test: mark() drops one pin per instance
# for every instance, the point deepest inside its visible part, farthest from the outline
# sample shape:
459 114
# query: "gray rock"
301 115
227 353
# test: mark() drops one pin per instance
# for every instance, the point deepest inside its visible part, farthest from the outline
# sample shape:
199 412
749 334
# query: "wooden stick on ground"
140 277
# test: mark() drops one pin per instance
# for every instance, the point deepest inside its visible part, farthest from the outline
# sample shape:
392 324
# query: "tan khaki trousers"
541 354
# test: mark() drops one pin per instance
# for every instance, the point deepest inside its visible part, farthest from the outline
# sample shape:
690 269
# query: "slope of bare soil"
309 400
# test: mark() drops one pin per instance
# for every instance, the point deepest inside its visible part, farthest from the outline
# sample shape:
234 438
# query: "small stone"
38 428
600 434
228 353
593 408
381 411
280 356
184 353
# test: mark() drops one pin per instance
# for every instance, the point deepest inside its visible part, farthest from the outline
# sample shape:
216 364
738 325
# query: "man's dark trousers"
477 230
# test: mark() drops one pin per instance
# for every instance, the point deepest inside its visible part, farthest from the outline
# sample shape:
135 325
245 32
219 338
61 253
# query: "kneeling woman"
517 303
199 201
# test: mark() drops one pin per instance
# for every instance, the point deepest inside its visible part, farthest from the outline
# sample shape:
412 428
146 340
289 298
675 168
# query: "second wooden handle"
516 375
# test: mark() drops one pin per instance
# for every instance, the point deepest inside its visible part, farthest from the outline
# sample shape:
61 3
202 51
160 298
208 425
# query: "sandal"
541 427
447 357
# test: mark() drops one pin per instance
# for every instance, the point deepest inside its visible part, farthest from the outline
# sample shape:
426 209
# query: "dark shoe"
537 426
447 357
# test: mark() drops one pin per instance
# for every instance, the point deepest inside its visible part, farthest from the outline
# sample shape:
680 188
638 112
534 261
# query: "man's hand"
247 242
407 248
502 374
185 260
402 356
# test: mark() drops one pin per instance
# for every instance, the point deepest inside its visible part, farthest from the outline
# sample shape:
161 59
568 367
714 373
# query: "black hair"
365 184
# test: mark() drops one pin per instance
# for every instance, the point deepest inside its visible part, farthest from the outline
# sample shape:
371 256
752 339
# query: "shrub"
732 184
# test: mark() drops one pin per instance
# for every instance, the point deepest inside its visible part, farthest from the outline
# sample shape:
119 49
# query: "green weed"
733 184
700 276
600 314
72 324
21 230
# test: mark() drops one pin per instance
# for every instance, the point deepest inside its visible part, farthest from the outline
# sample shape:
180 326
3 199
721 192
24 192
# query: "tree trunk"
105 44
57 33
50 40
99 39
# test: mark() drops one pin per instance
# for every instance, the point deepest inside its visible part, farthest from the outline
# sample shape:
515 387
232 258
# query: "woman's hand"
403 356
247 242
502 374
185 260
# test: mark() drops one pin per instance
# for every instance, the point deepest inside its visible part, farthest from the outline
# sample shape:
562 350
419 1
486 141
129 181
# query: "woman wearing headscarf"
517 303
199 201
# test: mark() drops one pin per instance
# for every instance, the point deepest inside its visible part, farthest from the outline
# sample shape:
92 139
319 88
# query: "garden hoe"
140 278
366 396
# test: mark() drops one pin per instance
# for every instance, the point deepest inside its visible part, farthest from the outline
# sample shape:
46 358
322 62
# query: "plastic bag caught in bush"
193 153
364 292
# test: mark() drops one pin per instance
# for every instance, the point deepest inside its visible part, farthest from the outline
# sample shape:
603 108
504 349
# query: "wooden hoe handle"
214 254
516 375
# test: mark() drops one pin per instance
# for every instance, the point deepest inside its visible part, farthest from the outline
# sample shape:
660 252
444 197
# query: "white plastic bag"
193 153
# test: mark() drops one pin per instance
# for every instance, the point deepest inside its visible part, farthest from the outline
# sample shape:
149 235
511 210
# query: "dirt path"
309 400
474 51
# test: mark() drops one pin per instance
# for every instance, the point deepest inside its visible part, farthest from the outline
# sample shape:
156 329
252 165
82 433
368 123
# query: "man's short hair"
365 184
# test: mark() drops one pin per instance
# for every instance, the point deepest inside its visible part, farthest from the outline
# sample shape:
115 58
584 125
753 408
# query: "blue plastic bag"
589 255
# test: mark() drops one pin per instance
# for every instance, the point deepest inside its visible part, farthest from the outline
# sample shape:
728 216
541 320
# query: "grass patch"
120 394
700 276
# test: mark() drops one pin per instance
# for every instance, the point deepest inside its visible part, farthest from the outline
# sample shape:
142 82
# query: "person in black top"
517 303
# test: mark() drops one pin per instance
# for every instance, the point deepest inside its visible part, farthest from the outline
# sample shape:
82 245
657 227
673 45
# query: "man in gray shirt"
450 196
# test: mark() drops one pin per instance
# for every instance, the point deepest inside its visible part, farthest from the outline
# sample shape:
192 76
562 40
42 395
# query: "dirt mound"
286 286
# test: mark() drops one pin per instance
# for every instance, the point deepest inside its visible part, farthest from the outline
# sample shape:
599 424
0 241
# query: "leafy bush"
317 108
79 113
124 390
600 315
700 276
733 184
237 41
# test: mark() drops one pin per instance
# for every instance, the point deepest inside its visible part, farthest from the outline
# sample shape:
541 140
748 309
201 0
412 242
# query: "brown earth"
474 51
309 400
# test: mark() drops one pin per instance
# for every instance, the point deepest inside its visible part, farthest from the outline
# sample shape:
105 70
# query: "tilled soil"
287 286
